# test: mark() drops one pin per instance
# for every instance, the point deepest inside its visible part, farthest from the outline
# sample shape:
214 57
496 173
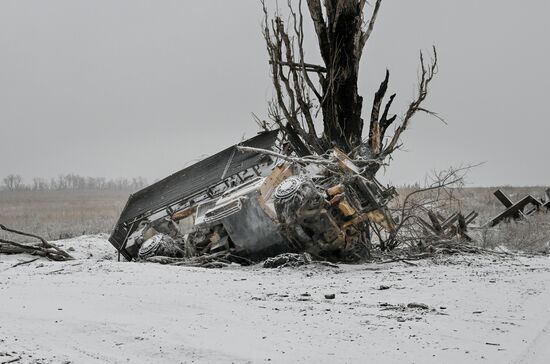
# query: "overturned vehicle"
252 201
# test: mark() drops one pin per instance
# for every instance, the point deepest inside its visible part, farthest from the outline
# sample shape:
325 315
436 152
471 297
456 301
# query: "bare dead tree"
342 34
13 182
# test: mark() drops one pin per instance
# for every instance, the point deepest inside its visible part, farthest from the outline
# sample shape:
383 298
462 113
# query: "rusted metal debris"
456 225
521 209
253 201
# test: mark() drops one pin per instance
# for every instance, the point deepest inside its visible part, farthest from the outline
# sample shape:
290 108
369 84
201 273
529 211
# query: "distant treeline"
15 182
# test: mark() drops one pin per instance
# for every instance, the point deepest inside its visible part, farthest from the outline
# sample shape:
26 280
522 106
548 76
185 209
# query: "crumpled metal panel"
191 181
253 231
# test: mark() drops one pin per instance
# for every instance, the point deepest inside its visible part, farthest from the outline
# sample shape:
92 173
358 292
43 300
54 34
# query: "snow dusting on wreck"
252 201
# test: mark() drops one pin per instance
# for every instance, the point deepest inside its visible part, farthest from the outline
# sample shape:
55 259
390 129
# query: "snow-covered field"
97 310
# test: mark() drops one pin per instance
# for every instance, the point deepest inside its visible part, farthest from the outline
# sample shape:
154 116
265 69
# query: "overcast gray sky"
139 88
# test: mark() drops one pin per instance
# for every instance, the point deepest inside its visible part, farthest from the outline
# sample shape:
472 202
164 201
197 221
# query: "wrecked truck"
255 205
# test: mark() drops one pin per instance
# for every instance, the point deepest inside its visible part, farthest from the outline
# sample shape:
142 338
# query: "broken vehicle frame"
183 190
329 211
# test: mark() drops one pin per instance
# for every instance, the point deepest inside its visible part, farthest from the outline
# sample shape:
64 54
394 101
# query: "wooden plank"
503 198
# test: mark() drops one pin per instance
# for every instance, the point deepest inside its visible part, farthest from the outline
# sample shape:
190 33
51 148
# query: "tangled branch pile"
43 249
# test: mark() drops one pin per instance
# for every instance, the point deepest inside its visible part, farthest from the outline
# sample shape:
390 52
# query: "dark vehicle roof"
191 181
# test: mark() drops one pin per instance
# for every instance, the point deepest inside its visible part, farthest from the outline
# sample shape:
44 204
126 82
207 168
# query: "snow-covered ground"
97 310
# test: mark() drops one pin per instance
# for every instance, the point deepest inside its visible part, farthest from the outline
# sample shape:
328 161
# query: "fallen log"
44 249
11 247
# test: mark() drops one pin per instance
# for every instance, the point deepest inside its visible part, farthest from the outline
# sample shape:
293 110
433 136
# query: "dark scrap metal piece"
515 210
454 225
507 203
547 199
160 245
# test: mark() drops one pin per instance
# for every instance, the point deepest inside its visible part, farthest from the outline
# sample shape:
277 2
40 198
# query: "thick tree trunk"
341 40
342 35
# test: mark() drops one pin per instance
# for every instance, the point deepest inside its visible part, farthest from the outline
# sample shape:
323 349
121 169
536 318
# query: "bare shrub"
416 206
445 195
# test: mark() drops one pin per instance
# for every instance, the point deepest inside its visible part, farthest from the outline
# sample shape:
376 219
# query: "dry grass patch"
61 214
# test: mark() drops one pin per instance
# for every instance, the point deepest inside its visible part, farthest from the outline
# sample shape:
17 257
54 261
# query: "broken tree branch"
11 247
45 244
366 35
375 132
303 160
306 66
22 263
426 77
